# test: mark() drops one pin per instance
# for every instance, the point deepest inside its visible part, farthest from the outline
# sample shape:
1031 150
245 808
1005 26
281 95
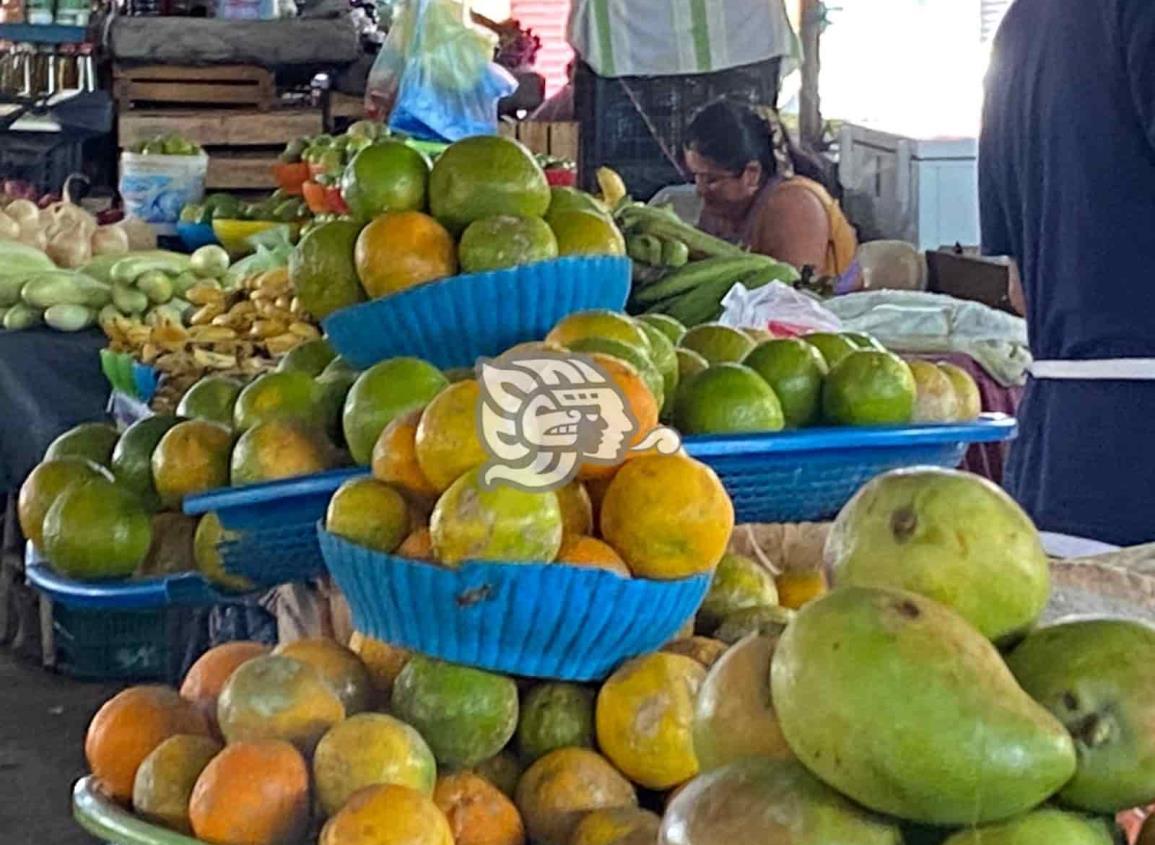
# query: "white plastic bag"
777 308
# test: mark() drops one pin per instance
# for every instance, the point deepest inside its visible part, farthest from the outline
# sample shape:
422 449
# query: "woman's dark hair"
733 135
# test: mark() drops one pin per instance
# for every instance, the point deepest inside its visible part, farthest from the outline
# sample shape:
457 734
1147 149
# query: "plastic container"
120 645
273 525
156 187
109 822
533 620
453 322
808 475
196 235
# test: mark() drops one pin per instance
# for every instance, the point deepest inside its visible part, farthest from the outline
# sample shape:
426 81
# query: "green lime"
667 325
90 441
690 363
311 357
555 716
864 341
132 457
726 399
323 271
739 583
485 176
665 358
834 347
384 391
494 243
607 324
387 176
795 370
212 398
718 344
869 387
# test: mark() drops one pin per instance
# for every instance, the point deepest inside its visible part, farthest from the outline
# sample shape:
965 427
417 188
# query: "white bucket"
156 187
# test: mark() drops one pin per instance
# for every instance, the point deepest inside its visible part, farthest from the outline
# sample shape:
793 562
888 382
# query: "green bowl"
111 823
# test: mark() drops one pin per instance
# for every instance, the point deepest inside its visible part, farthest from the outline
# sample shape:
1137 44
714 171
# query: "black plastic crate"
122 645
45 159
637 124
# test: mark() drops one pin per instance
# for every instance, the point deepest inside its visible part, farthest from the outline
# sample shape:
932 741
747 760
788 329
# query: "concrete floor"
43 718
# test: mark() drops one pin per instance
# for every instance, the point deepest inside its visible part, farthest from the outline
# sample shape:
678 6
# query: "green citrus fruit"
640 361
869 387
280 449
384 391
503 770
665 358
667 325
563 198
323 271
935 397
208 559
311 357
718 344
690 363
727 399
192 457
862 340
369 513
495 243
970 401
485 176
96 530
605 324
586 233
501 523
132 457
91 441
739 582
555 716
289 395
834 347
466 715
388 176
44 485
794 370
213 398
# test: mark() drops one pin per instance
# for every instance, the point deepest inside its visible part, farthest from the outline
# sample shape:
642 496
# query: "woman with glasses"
762 192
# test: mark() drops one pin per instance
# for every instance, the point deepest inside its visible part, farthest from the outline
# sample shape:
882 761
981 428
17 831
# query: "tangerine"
369 513
387 814
639 400
400 250
205 680
578 550
395 457
560 788
339 667
477 811
448 442
165 780
192 457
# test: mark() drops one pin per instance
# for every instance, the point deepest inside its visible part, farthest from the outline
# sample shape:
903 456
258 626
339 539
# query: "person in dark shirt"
1067 188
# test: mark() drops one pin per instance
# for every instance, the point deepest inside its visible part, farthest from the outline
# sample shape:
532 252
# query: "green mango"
1042 827
948 535
1096 676
898 703
771 802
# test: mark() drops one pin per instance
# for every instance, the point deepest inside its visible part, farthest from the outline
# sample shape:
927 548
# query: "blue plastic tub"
196 235
455 321
808 475
534 620
273 525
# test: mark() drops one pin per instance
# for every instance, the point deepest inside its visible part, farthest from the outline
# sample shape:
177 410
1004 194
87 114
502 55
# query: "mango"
948 535
733 717
898 703
1097 677
1042 827
769 802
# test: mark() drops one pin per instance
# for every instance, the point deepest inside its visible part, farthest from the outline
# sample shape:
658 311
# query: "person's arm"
1136 35
793 226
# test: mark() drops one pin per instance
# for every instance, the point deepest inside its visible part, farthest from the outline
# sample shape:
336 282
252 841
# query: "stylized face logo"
543 415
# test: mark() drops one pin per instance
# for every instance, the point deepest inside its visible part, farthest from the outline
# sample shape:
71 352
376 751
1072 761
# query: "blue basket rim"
988 428
270 491
433 288
474 567
183 588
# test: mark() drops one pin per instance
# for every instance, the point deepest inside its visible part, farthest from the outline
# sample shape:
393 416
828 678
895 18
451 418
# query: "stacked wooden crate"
557 139
230 110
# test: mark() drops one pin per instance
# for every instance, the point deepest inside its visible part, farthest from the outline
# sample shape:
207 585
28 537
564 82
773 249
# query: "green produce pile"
278 207
168 145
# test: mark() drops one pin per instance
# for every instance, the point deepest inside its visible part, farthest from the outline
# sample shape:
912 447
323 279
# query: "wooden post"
809 103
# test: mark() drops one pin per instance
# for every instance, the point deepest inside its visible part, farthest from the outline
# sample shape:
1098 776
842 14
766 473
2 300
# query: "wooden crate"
237 86
242 144
560 139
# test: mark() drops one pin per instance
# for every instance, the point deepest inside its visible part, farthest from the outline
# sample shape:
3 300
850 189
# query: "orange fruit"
204 681
611 827
638 398
387 814
418 545
668 516
192 457
369 749
369 513
129 727
478 812
577 510
255 792
560 788
704 650
395 457
400 250
280 449
384 662
165 780
447 442
276 697
339 667
578 550
503 770
796 587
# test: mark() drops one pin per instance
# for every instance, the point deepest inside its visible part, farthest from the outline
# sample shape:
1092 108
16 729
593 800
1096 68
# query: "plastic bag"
434 77
777 308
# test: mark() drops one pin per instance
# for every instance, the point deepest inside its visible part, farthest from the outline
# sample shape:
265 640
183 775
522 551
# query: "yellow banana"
613 189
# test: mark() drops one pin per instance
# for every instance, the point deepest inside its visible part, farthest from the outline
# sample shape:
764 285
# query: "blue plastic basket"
534 620
274 525
808 475
455 321
196 235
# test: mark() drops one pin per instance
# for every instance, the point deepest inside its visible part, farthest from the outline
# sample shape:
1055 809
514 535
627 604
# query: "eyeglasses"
713 179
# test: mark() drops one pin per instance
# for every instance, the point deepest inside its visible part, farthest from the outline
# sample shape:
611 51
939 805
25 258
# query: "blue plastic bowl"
808 475
196 235
274 525
455 321
535 620
188 589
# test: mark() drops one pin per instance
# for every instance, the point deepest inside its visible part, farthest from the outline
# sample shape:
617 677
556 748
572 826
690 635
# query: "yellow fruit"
447 441
797 587
970 401
645 717
560 788
369 513
590 552
384 662
339 667
395 457
400 250
165 780
610 827
577 510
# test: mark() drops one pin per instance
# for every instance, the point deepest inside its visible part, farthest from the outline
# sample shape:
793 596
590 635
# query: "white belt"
1129 369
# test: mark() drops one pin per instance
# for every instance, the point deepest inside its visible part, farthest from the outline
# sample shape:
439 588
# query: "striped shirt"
670 37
